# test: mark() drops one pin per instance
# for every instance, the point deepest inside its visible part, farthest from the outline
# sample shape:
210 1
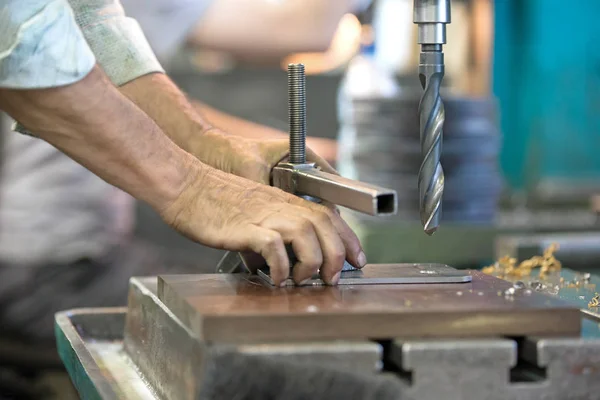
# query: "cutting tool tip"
430 231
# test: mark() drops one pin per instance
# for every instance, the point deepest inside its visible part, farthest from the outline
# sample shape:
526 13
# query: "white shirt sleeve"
116 40
41 45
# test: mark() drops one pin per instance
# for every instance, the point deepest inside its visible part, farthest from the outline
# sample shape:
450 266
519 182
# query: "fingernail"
283 283
362 259
336 278
304 282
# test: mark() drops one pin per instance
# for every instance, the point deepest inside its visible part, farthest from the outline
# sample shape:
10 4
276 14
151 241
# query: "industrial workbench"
156 356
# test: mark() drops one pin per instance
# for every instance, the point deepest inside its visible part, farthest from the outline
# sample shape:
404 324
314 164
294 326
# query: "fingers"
270 245
331 244
300 232
315 240
353 249
354 252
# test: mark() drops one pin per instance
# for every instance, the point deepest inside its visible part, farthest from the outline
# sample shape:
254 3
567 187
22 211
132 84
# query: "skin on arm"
101 129
326 148
251 158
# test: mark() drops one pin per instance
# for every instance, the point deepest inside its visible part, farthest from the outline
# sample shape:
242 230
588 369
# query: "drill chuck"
432 17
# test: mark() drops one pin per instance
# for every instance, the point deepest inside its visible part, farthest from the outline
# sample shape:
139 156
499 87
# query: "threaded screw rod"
297 113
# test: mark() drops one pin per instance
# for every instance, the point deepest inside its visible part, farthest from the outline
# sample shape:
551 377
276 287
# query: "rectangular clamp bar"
306 180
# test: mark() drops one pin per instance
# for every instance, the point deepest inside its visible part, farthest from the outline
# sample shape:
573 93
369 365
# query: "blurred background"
522 126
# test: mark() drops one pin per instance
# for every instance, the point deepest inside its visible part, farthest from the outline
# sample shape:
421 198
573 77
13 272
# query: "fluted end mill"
297 113
431 116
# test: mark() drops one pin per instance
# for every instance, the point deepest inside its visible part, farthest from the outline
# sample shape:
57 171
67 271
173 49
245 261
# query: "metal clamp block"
306 180
572 366
455 369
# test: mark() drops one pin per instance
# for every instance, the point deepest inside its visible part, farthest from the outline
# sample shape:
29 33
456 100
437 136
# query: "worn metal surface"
167 353
455 369
529 369
171 357
386 274
576 288
356 356
537 368
237 308
89 342
452 369
91 345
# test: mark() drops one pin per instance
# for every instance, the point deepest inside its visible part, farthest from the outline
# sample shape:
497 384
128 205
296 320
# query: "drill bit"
431 16
431 117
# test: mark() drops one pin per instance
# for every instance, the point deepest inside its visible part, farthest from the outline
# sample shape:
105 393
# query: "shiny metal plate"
389 274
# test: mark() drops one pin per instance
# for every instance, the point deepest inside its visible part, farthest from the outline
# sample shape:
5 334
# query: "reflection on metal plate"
389 274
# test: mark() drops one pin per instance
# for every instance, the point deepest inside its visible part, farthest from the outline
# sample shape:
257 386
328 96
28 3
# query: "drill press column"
431 16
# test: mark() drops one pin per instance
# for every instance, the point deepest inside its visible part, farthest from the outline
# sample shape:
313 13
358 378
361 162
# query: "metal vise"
309 182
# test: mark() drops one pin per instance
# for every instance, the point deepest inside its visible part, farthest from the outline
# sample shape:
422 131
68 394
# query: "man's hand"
228 212
98 127
249 158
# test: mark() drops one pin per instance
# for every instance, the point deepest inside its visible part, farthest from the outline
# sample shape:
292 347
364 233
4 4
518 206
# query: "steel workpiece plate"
382 274
237 308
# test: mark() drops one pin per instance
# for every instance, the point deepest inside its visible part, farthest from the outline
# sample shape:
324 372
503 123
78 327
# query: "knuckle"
305 227
314 262
338 255
272 241
323 217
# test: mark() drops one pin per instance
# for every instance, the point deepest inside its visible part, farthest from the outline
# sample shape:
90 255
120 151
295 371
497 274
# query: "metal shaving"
595 302
506 267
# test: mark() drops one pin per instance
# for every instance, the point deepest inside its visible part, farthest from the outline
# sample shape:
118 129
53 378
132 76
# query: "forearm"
98 127
189 125
184 121
326 148
162 100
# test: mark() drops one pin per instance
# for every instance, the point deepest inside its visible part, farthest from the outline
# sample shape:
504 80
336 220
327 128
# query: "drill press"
431 16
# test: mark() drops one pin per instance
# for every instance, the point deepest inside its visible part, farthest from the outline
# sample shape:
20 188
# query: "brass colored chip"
506 266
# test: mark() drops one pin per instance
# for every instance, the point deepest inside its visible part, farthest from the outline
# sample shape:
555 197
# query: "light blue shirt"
49 43
41 45
51 208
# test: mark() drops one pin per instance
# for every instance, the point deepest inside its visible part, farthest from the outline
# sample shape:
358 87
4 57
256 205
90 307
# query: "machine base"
145 352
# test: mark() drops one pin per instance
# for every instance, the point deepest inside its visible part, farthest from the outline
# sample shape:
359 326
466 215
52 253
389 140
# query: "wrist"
171 180
214 147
